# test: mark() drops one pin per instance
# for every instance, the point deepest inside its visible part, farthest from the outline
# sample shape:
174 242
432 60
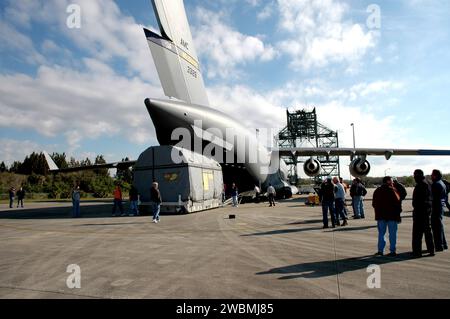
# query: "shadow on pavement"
87 211
350 228
108 224
308 221
333 267
283 231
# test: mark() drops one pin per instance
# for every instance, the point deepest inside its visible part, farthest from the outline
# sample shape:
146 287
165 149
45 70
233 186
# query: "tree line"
34 176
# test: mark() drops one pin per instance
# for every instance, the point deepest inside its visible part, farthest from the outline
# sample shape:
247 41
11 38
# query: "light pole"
353 127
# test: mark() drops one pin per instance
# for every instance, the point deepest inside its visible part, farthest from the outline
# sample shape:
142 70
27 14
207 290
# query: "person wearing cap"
421 215
439 193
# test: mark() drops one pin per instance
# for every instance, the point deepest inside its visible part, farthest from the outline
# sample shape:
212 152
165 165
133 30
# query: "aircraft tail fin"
174 54
51 164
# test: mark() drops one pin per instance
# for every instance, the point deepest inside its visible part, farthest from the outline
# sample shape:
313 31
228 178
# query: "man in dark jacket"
155 197
134 198
20 197
357 192
447 186
439 193
387 204
421 215
12 194
327 199
400 189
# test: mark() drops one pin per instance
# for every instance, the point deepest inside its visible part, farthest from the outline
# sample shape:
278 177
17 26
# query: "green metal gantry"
303 130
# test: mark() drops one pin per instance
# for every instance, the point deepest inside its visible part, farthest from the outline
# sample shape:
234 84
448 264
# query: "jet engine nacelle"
359 167
312 167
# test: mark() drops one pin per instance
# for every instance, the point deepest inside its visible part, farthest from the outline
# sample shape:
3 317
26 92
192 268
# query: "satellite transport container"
189 182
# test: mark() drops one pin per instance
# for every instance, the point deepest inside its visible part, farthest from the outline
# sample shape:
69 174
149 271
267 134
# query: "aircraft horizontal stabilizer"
55 169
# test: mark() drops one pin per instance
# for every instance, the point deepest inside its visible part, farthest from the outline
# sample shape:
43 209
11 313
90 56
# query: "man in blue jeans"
439 195
339 202
155 198
357 192
76 202
387 204
327 190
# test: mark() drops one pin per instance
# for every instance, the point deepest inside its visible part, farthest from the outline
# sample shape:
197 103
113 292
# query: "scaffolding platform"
304 130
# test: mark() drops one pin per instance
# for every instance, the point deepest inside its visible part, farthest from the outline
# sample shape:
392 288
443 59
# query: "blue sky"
81 91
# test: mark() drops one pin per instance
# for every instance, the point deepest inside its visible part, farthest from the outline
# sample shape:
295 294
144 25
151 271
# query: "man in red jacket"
118 200
387 204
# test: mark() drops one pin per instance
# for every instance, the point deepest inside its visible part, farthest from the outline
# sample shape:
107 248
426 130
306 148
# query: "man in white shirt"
271 195
257 193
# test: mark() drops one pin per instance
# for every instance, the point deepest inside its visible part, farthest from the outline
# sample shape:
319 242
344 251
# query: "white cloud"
12 40
84 98
378 60
16 150
106 33
49 46
257 110
22 13
320 91
246 105
73 138
79 105
318 34
253 3
225 48
374 88
265 111
266 12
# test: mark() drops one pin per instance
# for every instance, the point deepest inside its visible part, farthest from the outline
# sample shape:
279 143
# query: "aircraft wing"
387 152
55 169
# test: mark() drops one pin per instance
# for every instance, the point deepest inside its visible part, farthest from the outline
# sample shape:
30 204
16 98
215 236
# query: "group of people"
20 196
155 198
133 195
332 196
428 211
234 193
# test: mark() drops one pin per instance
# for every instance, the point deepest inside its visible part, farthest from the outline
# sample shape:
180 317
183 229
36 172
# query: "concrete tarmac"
266 252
